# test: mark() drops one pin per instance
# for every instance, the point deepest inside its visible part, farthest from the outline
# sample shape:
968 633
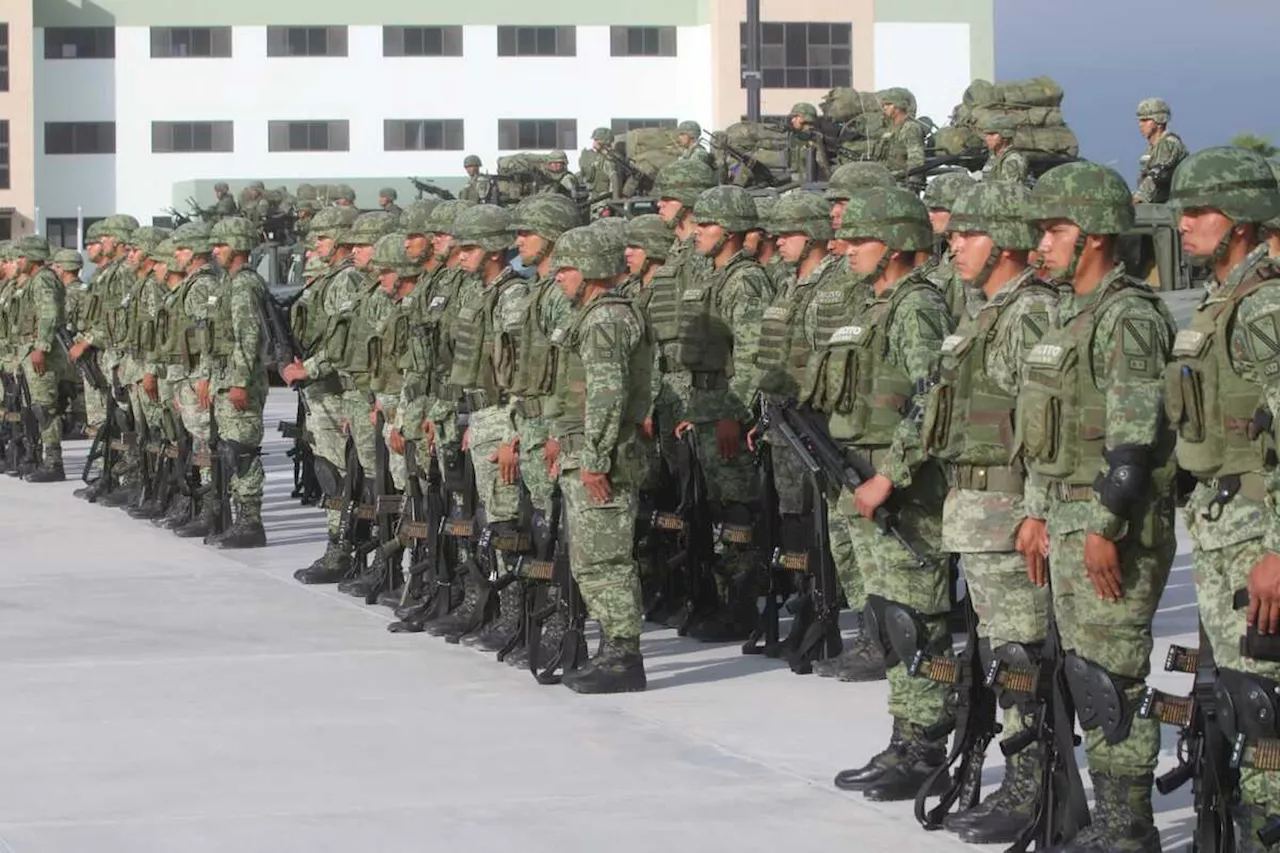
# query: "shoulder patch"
1034 325
603 339
1264 337
930 325
1137 337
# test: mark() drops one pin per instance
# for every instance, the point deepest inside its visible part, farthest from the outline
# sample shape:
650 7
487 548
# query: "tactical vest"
706 337
386 375
114 308
351 340
970 419
571 381
183 335
431 352
1212 406
220 333
147 337
852 380
91 318
1062 414
784 352
24 319
666 289
475 333
141 332
535 373
8 309
309 318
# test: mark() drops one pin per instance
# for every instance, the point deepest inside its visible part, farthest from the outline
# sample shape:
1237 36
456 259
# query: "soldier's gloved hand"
728 437
151 387
1102 567
37 361
1033 544
508 459
239 398
202 393
871 495
597 485
77 350
1264 594
395 441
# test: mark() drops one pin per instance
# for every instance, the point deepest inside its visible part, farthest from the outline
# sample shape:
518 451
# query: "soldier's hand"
77 350
551 456
466 439
1033 544
395 441
239 398
151 386
871 495
1102 567
508 459
646 428
1264 594
682 428
37 361
346 427
429 430
597 485
202 394
753 437
728 438
293 373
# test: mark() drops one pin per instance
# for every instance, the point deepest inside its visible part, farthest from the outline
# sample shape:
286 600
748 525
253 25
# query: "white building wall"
938 82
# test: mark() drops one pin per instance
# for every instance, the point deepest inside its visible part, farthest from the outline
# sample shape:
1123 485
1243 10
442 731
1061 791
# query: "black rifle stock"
767 629
695 560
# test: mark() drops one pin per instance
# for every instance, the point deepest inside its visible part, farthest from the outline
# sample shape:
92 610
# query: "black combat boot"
89 492
500 631
369 579
246 532
859 777
333 567
918 759
1002 817
863 661
391 597
464 613
148 509
735 618
1122 818
616 668
178 514
50 470
202 524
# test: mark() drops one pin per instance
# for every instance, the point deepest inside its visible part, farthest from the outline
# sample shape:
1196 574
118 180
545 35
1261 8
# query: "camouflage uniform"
478 186
901 146
40 312
596 171
392 208
95 305
136 315
1009 165
225 205
805 144
694 151
1101 466
941 194
1163 154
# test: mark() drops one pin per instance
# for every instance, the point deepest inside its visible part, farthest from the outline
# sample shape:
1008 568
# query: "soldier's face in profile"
1058 244
969 253
570 281
939 219
415 247
791 246
1146 127
161 269
669 209
471 170
133 257
636 258
686 140
993 140
751 242
837 212
183 258
324 246
222 254
707 236
470 258
530 245
441 244
387 280
865 254
362 256
1202 228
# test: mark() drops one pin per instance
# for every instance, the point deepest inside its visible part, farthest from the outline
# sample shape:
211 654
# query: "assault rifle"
761 175
426 187
550 568
221 466
694 563
285 350
767 629
421 526
100 449
386 503
972 159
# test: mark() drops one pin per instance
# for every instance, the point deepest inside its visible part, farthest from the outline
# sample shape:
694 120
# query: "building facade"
134 105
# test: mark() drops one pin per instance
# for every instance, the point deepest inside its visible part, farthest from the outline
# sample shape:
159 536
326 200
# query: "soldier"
648 241
969 426
66 264
387 201
603 395
478 186
40 312
559 179
345 197
939 196
806 143
596 168
312 315
1164 152
1222 195
870 378
847 180
1004 163
253 203
1091 424
224 204
901 147
237 377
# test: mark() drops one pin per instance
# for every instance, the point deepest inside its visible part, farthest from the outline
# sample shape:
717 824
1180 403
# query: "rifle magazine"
1182 659
1167 708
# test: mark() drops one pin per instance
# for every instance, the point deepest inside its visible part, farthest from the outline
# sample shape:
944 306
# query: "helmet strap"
993 258
1070 272
882 265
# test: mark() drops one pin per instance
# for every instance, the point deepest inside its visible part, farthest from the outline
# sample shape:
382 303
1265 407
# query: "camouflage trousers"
356 409
501 500
95 401
600 543
533 471
328 441
245 429
194 419
45 390
1116 636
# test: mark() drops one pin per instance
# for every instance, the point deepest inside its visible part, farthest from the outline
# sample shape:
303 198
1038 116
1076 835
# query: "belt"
986 478
1070 492
529 407
478 400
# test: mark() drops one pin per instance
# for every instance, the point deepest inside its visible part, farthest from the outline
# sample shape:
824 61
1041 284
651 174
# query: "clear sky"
1217 63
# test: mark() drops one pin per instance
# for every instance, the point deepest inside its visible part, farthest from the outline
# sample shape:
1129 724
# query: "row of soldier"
1028 418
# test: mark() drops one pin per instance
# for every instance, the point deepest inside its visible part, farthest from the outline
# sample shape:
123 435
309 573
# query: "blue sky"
1215 61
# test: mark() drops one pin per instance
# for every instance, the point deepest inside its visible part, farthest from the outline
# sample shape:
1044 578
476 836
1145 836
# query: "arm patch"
603 339
1263 335
1034 325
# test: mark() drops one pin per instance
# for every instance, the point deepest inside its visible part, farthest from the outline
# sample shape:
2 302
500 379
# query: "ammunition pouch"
1254 645
1099 698
1019 663
330 480
795 541
907 636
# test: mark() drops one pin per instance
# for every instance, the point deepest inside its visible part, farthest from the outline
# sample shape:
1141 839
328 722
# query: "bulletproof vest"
969 418
220 333
183 335
387 367
8 309
92 317
28 312
309 319
23 318
1062 414
706 337
851 379
1212 406
431 350
119 286
571 381
352 337
147 335
784 352
666 289
136 318
123 322
535 372
476 333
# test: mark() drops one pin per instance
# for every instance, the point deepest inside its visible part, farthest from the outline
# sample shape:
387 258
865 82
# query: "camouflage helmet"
806 111
305 192
388 254
148 236
414 218
221 187
68 259
31 247
93 233
689 128
614 224
1236 181
314 267
557 156
345 191
442 218
898 97
602 134
6 251
730 207
765 203
331 222
802 213
162 252
892 215
367 228
995 208
1001 123
594 252
193 236
684 180
387 192
1156 109
648 232
851 177
1094 197
546 215
485 225
258 185
471 160
236 232
307 205
941 192
119 225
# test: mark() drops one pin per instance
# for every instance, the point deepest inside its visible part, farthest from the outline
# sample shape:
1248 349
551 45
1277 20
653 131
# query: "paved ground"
163 697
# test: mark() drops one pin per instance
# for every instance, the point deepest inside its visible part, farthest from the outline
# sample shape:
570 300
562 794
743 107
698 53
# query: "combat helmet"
892 215
1273 224
367 228
485 225
602 134
68 259
471 160
801 213
995 209
558 156
162 253
806 111
389 254
414 218
1156 109
387 193
594 252
148 236
1092 196
193 236
236 232
851 177
442 218
1236 181
32 247
689 128
730 207
118 225
684 180
941 192
765 203
546 215
331 222
1000 123
648 232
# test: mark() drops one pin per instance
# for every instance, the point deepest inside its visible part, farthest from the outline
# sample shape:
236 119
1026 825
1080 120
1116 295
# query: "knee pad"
1246 705
329 478
1012 670
43 416
1099 698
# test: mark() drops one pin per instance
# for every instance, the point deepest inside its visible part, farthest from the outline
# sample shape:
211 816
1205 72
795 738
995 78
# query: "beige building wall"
17 106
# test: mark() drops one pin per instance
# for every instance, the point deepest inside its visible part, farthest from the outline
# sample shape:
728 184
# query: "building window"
422 134
6 227
80 137
61 231
515 134
537 41
4 57
422 41
162 222
171 42
622 125
4 154
803 56
79 43
306 41
642 41
309 136
170 137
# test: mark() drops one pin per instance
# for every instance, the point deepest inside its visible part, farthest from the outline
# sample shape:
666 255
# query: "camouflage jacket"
1155 168
742 291
245 368
343 285
902 148
1008 165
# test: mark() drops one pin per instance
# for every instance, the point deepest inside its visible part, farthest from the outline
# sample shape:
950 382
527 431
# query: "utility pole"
751 78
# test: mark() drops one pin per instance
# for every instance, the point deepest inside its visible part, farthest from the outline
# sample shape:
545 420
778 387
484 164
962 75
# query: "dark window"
61 231
306 41
622 125
4 154
171 42
537 41
308 136
6 227
79 43
515 134
422 134
80 137
422 41
162 222
642 41
169 137
4 57
803 56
